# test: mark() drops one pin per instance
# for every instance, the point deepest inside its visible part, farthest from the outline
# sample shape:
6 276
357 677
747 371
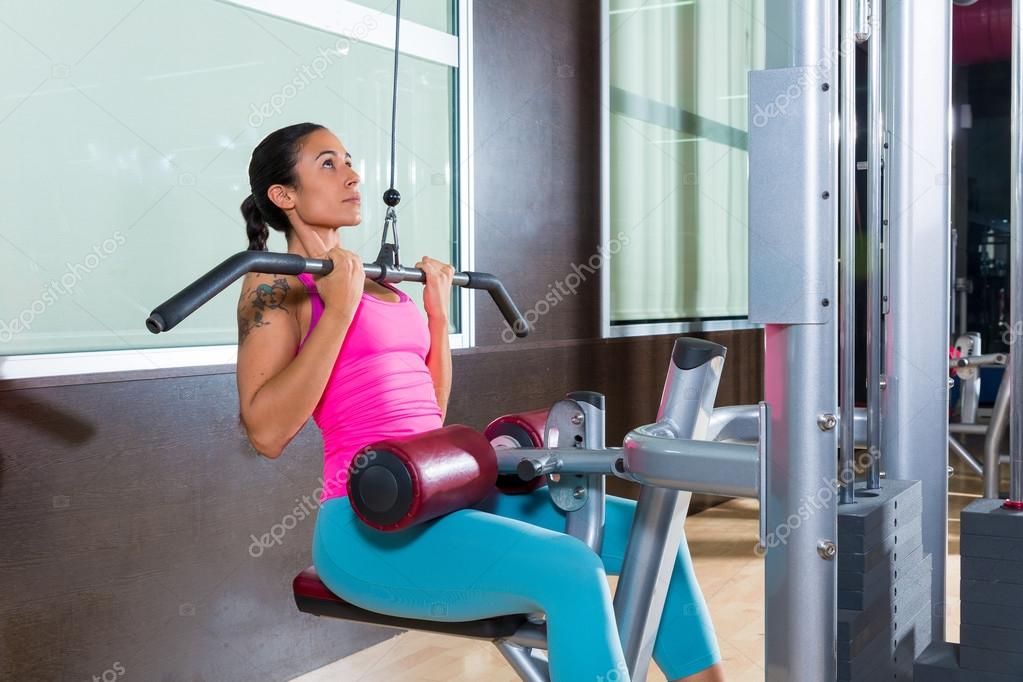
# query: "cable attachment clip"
388 255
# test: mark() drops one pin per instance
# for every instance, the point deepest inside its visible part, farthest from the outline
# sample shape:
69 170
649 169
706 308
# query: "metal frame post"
1015 367
800 380
875 208
847 235
657 527
917 46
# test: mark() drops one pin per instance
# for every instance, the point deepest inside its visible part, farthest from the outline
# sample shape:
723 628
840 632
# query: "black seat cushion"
312 596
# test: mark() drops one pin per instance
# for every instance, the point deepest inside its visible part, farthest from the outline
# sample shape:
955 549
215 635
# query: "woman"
356 356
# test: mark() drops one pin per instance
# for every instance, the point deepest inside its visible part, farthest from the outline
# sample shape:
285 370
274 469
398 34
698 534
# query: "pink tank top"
380 386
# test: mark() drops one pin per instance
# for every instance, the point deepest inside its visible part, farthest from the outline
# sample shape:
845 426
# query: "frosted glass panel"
128 130
438 14
686 223
678 156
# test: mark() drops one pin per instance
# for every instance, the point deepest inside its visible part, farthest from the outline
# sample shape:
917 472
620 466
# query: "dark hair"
273 163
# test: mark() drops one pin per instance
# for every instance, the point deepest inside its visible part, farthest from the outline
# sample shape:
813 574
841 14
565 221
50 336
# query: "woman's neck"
311 241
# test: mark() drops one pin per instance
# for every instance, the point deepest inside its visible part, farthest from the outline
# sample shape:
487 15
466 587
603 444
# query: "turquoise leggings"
510 555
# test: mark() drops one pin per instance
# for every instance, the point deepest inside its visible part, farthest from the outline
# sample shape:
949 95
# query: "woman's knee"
571 567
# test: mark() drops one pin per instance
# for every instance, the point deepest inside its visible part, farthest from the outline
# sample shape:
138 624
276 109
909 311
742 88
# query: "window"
129 127
675 163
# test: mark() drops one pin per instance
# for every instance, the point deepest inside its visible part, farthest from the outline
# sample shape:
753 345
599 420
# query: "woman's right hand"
341 289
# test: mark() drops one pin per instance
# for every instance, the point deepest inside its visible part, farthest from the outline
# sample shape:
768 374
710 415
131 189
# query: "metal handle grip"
175 309
172 311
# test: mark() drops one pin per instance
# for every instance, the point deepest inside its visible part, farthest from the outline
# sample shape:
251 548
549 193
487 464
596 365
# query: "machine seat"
312 596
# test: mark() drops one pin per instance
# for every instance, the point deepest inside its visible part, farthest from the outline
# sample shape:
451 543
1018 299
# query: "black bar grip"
504 302
169 313
172 311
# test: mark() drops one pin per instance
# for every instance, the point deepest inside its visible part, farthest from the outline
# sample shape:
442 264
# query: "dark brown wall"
126 511
537 151
128 502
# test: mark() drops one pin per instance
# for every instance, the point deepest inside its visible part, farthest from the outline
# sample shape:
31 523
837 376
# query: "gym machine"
412 480
862 612
562 447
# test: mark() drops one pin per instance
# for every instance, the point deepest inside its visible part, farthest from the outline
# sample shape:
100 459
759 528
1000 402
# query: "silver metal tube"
763 472
686 403
954 236
729 469
800 381
847 235
993 441
529 668
531 636
966 368
917 45
970 429
961 312
557 460
739 424
979 360
875 211
965 455
1016 269
863 26
735 423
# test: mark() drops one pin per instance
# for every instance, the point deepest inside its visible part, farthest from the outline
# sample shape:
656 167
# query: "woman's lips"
353 200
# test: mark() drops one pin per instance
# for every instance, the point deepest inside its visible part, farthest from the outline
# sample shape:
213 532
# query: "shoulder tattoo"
256 301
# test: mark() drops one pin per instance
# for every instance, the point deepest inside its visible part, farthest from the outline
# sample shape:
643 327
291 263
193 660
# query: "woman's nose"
353 179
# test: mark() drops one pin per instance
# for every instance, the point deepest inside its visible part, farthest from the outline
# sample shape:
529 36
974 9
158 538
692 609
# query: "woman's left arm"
436 297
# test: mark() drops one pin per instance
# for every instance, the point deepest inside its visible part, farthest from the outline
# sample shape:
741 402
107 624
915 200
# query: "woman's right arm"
278 390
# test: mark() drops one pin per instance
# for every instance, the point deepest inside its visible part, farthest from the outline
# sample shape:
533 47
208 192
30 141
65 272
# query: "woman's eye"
328 164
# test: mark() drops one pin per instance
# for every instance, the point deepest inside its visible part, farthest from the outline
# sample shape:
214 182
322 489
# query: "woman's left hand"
437 293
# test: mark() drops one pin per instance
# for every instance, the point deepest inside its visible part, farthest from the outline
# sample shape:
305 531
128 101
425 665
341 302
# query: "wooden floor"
732 577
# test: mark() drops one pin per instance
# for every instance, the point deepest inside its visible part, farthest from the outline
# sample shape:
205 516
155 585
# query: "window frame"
609 329
417 40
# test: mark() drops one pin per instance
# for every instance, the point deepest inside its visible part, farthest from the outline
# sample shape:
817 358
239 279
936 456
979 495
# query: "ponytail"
273 163
255 226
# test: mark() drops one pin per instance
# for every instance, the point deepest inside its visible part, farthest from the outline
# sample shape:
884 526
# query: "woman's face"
328 186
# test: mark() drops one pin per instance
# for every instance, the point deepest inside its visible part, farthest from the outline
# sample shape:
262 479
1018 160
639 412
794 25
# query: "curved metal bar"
172 311
964 454
739 424
730 469
993 440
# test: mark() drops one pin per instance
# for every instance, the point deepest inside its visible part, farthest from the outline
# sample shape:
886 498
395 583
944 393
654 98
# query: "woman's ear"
282 196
